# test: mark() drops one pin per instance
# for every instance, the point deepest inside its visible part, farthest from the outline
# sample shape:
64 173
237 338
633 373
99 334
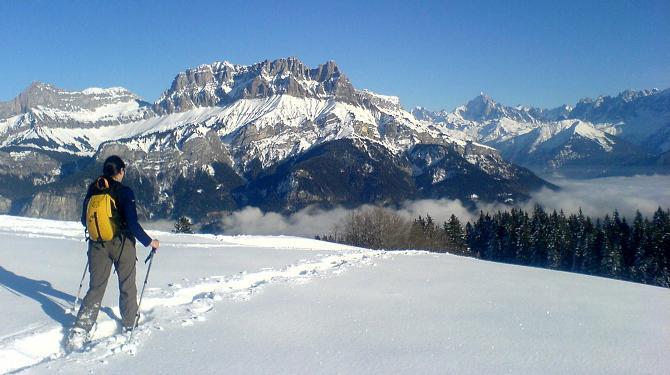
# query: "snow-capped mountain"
42 104
257 113
222 83
606 136
38 116
640 117
227 135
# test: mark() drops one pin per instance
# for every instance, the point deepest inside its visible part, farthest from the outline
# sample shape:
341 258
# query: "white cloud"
307 222
601 196
596 197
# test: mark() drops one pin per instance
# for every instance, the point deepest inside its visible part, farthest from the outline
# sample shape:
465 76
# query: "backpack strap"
114 188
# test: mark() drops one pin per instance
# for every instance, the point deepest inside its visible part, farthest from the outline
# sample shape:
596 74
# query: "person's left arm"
129 210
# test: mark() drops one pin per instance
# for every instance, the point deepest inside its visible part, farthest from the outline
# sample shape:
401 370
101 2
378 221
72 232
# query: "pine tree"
478 236
594 256
553 241
612 249
637 244
508 245
523 242
183 225
538 237
455 234
488 239
470 239
497 236
577 231
660 242
627 251
587 246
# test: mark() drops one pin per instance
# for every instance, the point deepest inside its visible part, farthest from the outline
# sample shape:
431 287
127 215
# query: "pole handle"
151 254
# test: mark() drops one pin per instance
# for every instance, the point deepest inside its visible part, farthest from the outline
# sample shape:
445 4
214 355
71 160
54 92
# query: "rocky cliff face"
35 169
42 104
223 83
54 205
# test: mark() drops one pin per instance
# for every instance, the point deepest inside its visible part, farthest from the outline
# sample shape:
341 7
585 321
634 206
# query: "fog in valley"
596 197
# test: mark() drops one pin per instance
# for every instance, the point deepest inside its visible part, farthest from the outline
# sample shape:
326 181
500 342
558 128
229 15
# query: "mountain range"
622 135
283 136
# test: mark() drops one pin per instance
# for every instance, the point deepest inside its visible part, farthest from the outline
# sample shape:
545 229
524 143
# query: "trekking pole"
150 259
81 283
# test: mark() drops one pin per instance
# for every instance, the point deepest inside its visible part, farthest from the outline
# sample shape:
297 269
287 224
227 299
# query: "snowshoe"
76 339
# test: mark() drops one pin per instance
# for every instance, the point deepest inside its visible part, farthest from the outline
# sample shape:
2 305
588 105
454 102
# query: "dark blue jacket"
125 200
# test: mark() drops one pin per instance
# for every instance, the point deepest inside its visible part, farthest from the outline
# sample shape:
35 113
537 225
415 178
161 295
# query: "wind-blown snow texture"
274 304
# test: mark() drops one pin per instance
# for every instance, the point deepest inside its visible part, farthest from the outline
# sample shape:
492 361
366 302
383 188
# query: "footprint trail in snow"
179 305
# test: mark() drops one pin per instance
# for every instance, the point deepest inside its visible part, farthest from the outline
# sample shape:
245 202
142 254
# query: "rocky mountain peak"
43 104
37 87
44 95
482 107
37 93
421 113
222 83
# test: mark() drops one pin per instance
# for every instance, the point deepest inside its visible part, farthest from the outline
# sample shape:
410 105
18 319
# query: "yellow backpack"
102 213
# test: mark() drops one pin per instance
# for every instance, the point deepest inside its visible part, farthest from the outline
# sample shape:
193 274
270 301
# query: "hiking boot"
130 327
77 338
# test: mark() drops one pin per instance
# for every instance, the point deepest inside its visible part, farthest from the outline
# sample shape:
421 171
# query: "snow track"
165 308
191 274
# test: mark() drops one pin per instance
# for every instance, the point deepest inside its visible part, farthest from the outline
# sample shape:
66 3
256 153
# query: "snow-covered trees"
606 247
610 248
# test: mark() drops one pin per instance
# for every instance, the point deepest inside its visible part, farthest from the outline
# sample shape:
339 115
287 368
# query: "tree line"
608 246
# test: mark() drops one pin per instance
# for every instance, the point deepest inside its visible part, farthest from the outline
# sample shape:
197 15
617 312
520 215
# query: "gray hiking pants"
101 256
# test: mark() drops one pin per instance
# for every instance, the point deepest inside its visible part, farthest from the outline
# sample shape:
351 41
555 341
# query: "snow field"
287 305
177 304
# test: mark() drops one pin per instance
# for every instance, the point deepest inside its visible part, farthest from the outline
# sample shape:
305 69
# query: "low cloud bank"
596 197
312 221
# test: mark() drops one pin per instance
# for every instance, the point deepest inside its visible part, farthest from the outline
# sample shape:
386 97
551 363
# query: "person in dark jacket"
120 252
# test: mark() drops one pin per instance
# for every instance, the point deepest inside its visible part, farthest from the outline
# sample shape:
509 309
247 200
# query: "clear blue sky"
438 54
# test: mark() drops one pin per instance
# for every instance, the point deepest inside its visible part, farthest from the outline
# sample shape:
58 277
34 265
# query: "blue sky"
438 54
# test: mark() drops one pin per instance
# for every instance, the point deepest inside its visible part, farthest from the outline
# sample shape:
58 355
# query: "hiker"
111 240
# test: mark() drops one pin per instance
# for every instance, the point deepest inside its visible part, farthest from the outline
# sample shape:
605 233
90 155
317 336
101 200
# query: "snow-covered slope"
268 304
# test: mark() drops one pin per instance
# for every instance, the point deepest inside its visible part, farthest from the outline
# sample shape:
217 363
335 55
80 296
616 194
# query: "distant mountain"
635 116
45 104
597 137
277 134
224 83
